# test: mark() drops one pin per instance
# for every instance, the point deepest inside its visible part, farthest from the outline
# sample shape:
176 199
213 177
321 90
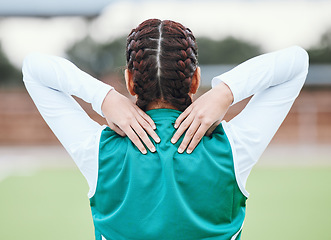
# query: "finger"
146 118
182 128
146 126
116 129
135 139
183 116
188 136
143 136
197 138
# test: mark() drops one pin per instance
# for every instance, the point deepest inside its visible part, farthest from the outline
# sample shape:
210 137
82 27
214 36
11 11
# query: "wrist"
107 99
225 93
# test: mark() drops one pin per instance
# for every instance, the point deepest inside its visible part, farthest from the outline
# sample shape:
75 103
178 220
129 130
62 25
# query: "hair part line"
158 59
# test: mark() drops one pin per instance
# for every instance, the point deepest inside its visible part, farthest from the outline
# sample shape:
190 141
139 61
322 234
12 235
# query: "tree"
9 75
98 59
227 51
321 53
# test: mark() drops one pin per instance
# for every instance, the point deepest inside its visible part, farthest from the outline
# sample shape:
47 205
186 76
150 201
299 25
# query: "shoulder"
111 141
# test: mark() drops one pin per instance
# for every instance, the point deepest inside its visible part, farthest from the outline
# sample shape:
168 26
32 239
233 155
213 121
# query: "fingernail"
158 140
180 150
153 149
154 127
173 140
175 126
189 151
144 151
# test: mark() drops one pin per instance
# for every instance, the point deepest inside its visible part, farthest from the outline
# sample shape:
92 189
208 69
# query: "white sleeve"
50 82
275 79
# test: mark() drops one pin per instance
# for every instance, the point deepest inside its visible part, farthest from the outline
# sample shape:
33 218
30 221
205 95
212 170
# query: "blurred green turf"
48 205
285 203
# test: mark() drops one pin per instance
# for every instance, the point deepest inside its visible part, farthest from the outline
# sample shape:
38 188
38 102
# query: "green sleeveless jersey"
167 195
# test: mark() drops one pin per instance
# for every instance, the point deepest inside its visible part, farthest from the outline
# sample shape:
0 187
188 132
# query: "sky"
272 24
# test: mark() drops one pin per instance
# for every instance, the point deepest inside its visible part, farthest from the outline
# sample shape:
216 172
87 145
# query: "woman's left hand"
202 117
127 119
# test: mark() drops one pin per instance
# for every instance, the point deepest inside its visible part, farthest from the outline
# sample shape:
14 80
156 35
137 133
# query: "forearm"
59 74
264 71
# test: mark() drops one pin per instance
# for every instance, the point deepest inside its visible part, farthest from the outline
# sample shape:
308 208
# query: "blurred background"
44 195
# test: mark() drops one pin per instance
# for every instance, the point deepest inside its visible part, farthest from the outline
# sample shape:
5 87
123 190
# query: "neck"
159 104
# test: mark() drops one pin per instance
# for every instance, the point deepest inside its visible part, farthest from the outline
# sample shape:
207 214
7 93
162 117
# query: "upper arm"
46 80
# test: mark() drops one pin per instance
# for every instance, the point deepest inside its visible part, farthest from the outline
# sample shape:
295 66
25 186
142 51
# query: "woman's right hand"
127 119
202 117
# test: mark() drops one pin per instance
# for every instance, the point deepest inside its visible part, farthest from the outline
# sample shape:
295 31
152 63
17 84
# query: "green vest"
166 195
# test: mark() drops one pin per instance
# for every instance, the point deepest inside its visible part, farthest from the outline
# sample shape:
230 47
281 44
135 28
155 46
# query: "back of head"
162 57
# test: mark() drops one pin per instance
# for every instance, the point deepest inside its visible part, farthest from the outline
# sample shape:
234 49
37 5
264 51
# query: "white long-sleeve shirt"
275 79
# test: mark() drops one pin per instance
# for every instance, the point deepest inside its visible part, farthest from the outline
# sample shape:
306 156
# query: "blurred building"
309 120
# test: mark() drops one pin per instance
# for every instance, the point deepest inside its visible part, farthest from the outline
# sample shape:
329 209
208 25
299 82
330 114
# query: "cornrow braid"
162 56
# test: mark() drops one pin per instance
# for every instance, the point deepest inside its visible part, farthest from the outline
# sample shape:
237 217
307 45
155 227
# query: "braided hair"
162 57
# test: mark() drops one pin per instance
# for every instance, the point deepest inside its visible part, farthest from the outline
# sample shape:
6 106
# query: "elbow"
301 58
31 64
28 66
301 64
302 54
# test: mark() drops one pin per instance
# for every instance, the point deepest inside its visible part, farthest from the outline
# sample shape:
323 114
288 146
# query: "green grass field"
285 203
